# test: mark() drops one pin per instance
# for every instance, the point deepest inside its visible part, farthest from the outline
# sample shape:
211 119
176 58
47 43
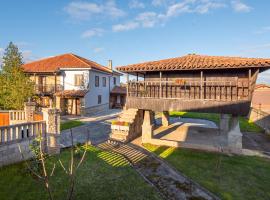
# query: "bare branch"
27 164
52 170
61 164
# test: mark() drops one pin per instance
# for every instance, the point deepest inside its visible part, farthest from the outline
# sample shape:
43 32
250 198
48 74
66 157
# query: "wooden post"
249 84
201 84
55 82
127 84
160 84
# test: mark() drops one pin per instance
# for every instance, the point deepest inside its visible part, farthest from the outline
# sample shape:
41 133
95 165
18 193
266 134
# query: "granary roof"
197 62
69 60
119 90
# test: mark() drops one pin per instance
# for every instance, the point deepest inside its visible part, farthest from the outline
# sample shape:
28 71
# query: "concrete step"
119 137
130 120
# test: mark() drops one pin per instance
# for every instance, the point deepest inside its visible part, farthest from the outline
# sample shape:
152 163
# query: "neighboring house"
75 84
261 97
118 97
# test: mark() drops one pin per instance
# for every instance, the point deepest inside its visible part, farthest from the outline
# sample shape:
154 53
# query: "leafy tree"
15 86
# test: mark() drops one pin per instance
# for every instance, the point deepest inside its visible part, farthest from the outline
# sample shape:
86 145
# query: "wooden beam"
249 83
201 84
160 84
127 84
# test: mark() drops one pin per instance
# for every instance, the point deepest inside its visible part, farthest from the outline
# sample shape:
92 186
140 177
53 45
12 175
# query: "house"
261 97
118 97
76 85
192 83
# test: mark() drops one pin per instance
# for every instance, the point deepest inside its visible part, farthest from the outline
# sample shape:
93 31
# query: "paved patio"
194 132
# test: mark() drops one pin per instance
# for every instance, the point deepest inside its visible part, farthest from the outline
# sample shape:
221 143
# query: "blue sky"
131 31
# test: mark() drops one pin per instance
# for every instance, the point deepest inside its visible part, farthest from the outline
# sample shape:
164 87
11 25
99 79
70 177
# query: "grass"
229 177
70 124
245 124
103 175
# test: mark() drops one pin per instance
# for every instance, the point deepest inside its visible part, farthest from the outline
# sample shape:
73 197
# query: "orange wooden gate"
4 119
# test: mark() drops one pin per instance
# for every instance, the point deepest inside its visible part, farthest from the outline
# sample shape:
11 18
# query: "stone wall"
9 153
22 135
95 109
260 118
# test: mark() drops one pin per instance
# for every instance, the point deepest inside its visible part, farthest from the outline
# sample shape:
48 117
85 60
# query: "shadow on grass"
229 177
103 175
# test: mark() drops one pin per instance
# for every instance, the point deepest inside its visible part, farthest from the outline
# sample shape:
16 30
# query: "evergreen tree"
15 86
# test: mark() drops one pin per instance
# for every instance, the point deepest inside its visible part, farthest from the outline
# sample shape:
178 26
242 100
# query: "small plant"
119 123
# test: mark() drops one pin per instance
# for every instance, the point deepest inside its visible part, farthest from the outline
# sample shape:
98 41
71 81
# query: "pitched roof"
197 62
263 86
52 64
71 93
119 90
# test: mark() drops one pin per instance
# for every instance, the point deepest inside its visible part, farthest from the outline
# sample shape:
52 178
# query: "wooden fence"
206 90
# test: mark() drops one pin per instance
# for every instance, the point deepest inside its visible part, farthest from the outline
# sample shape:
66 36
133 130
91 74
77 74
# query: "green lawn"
229 177
245 124
103 175
70 124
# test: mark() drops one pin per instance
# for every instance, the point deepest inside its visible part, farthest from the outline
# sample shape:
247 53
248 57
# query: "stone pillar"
235 136
165 118
52 118
29 108
148 126
224 123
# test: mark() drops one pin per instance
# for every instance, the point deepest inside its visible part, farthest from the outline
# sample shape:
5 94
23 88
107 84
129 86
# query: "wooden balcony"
48 89
232 97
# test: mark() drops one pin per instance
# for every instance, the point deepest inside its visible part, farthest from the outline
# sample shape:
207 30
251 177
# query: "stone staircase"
128 125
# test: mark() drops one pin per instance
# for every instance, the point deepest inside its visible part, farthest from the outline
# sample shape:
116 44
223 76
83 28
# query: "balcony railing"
179 89
48 88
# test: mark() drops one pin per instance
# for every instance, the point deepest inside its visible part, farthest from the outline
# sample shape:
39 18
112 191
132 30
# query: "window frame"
114 80
99 99
104 81
96 81
76 82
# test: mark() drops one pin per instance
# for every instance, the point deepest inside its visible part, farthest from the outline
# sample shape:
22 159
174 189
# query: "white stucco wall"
69 79
91 98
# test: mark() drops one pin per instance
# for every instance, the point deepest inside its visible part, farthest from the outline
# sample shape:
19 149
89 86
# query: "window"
97 81
78 79
99 99
104 81
114 80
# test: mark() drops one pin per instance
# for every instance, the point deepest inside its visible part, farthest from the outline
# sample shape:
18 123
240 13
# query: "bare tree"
40 158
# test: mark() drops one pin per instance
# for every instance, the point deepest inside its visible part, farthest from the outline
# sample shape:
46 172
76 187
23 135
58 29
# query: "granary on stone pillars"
194 83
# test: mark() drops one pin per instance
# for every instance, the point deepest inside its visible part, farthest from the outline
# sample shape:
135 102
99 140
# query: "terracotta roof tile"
52 64
71 93
119 90
196 62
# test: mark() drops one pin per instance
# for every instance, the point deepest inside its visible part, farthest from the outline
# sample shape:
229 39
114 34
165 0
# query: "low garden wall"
260 118
19 135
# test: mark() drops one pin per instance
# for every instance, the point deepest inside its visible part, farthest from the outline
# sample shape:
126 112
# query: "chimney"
110 64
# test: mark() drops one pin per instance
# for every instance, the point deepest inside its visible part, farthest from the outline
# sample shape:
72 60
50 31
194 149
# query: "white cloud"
159 2
193 6
257 48
125 27
98 49
92 32
263 30
83 10
264 77
239 6
147 19
28 56
136 4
